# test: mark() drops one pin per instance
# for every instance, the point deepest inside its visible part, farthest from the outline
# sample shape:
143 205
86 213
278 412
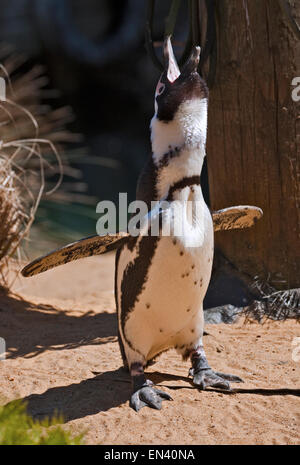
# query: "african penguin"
161 281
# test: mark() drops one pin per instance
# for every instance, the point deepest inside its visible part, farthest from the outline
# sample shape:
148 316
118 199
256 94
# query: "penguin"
161 279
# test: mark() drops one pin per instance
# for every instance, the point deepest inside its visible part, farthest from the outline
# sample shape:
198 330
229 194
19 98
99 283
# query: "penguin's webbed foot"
208 378
149 396
204 376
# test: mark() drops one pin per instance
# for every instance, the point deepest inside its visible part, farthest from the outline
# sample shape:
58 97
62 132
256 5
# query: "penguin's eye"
161 88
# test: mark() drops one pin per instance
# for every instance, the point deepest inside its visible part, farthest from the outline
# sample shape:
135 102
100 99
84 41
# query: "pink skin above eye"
159 88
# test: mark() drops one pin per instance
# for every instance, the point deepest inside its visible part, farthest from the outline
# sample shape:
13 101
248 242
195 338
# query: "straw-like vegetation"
28 156
272 304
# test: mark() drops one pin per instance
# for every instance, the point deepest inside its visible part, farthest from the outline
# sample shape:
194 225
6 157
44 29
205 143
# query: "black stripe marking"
179 185
146 186
135 277
123 355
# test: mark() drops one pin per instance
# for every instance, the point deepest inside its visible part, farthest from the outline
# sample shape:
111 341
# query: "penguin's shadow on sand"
30 329
112 389
78 400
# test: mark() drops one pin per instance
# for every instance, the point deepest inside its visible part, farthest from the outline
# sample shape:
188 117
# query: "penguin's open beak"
171 65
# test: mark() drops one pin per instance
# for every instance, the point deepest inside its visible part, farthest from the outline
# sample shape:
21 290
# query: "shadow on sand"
159 378
112 389
31 329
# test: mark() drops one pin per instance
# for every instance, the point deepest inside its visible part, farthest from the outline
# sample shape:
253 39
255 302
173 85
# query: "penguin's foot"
144 394
149 396
204 376
208 378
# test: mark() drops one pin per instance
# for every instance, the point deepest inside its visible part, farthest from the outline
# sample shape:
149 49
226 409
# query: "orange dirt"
63 356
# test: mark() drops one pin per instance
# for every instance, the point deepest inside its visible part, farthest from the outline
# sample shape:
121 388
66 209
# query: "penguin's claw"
148 396
228 377
209 378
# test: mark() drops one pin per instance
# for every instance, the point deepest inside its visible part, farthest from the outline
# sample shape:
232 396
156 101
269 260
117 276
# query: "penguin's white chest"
169 305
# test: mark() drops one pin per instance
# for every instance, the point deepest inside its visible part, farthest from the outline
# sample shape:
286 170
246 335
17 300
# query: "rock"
223 314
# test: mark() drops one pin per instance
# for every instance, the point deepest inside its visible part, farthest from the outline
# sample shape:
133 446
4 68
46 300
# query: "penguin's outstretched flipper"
94 245
239 217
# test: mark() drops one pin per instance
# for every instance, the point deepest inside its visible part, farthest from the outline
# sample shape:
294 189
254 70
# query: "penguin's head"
176 88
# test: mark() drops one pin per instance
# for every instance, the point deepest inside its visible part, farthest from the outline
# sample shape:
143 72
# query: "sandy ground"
63 356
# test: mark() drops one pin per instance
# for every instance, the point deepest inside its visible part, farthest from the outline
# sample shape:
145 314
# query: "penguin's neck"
178 146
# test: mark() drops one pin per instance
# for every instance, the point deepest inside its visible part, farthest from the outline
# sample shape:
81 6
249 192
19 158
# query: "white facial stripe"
159 88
